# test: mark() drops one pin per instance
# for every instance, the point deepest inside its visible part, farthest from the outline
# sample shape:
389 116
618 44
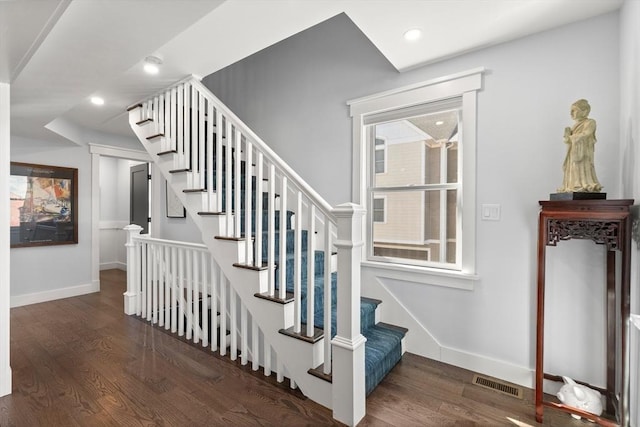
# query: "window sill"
423 275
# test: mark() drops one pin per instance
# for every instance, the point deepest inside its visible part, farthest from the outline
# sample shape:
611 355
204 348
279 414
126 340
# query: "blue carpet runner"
383 349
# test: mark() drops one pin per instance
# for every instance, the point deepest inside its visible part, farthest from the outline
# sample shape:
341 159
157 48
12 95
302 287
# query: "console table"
606 222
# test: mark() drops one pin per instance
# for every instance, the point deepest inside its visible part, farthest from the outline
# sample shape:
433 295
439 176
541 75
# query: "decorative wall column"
348 376
133 268
5 277
95 220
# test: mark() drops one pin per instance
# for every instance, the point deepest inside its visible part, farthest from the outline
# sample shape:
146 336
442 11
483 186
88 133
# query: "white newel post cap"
349 216
132 230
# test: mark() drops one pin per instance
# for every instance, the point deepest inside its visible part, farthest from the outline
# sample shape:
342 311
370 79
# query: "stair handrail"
296 179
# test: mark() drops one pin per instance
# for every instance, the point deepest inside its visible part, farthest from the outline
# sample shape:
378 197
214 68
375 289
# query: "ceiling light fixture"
96 100
413 34
152 64
439 123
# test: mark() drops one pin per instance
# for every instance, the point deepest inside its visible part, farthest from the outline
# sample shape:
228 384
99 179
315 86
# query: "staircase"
289 258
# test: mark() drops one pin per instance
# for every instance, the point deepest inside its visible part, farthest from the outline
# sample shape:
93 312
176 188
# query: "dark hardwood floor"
81 362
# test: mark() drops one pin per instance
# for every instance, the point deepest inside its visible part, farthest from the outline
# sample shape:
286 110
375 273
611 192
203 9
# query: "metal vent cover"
497 385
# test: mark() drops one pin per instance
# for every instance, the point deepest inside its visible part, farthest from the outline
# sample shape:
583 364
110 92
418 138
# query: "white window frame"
465 85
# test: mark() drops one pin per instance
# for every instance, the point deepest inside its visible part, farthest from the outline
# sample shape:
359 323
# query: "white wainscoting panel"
112 240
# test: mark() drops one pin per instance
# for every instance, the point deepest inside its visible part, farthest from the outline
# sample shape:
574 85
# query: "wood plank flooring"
81 362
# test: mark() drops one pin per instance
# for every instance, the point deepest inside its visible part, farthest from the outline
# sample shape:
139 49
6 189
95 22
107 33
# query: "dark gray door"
139 205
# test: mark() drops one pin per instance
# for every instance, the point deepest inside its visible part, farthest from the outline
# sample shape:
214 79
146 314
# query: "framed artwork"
43 204
175 209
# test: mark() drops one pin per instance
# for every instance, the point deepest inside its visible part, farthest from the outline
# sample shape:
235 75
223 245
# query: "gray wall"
294 96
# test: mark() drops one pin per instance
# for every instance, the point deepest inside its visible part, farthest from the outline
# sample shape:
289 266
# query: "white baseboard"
54 294
113 265
5 381
484 365
420 341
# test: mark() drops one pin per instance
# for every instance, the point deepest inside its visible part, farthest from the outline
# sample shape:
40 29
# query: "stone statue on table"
578 167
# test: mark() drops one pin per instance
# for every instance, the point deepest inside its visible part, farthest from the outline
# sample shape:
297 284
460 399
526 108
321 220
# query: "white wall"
630 175
114 211
50 272
294 96
180 229
5 123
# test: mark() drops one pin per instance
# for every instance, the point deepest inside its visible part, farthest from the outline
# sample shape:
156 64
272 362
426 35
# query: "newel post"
348 376
133 270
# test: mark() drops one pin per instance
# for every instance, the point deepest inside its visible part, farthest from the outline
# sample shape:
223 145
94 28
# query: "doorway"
139 201
116 224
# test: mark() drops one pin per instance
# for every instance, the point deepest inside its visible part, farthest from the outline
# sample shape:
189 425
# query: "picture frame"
174 206
43 205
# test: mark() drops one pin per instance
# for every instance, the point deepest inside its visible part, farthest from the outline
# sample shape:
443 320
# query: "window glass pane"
379 156
379 210
420 150
419 227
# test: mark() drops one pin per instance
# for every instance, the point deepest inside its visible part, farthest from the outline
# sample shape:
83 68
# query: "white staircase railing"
179 287
231 175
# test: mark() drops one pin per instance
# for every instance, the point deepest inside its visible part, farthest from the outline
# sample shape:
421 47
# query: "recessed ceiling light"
413 34
439 123
151 68
152 64
96 100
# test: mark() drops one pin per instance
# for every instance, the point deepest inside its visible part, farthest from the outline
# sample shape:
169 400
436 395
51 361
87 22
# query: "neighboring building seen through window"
415 185
379 209
380 156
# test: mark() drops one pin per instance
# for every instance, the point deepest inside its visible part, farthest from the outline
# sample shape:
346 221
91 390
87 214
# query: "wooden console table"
606 222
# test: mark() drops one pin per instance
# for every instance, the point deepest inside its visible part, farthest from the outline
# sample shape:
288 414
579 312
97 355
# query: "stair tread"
265 295
154 136
264 266
371 300
144 121
319 372
134 106
397 328
180 170
318 334
205 213
230 238
164 153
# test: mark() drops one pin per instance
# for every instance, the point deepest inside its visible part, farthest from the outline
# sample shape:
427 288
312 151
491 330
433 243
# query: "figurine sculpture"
578 167
580 397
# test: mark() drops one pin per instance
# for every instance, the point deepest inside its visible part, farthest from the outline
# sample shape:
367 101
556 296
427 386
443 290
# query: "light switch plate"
490 212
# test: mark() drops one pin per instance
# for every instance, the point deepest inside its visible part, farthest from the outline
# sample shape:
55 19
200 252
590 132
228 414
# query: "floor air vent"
498 386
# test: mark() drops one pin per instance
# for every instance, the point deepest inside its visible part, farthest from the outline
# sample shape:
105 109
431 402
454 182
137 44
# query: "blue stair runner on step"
383 349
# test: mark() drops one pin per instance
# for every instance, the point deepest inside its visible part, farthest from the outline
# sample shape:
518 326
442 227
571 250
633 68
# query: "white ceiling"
58 53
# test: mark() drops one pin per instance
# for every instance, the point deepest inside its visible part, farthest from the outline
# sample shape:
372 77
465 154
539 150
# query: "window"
420 187
380 156
379 212
414 172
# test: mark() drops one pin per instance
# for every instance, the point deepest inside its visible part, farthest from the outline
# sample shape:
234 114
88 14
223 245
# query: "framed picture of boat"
44 202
